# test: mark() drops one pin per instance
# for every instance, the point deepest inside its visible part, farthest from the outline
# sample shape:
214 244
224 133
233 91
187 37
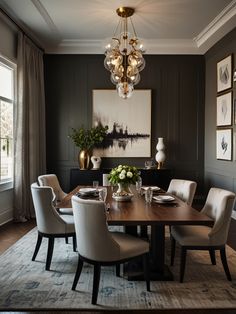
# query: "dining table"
137 212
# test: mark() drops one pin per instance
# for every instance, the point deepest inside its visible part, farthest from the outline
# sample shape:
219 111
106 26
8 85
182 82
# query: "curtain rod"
20 28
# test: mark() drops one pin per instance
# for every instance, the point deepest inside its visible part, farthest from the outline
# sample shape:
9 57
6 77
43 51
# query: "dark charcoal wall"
177 84
217 172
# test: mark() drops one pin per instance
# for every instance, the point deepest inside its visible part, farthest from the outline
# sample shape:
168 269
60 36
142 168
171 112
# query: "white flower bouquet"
123 174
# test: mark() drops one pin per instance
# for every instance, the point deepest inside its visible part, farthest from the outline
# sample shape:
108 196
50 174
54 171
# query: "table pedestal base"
134 271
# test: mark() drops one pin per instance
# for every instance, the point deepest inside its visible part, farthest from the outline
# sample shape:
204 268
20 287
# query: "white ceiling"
166 26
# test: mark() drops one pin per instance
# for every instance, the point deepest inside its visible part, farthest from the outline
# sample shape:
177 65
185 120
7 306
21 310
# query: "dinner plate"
164 198
154 188
87 191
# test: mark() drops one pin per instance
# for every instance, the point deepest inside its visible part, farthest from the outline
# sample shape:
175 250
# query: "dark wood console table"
159 177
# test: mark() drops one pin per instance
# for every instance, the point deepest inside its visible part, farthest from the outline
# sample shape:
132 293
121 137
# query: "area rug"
26 285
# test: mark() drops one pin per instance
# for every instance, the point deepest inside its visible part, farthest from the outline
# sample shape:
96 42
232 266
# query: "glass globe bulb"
115 78
125 89
110 43
135 79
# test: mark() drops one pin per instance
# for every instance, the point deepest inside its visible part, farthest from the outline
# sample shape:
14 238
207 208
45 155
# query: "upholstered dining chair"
183 189
219 205
52 181
49 223
100 247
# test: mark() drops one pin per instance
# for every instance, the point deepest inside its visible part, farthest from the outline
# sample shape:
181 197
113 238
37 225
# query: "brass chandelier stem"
124 55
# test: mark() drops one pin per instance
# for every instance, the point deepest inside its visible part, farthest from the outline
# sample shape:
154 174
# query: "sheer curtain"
30 151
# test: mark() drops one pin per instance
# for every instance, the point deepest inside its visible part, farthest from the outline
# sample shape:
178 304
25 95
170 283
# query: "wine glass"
103 194
148 195
139 185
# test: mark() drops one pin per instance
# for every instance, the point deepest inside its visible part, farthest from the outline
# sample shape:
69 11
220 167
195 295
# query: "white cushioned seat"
129 245
191 235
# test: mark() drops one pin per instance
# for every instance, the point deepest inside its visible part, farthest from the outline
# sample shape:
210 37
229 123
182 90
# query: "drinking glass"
95 184
139 185
103 194
148 195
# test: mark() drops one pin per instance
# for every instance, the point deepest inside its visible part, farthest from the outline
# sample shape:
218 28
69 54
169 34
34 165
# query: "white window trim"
8 184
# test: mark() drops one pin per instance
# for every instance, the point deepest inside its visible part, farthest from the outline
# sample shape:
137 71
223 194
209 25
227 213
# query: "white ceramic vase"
160 155
96 161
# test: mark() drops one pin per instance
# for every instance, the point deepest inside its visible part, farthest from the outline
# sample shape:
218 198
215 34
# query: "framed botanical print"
224 144
224 74
224 109
128 120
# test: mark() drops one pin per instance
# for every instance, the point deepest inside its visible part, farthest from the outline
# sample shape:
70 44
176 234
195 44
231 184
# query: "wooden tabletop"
137 212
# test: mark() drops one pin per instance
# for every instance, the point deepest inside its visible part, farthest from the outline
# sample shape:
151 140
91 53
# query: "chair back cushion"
47 218
94 240
52 181
183 189
219 205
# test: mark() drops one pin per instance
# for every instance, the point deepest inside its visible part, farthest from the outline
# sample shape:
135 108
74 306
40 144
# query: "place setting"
166 200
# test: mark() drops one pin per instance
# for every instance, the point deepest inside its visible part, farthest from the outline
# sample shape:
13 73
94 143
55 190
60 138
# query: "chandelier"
124 55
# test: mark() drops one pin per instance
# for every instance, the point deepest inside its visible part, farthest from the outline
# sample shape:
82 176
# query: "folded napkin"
154 188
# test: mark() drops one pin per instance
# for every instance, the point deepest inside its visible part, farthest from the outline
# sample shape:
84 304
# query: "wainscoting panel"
6 206
177 87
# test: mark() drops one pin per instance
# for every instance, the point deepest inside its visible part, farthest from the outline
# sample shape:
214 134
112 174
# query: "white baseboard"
234 214
6 216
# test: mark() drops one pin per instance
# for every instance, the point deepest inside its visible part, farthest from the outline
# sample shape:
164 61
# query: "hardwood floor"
11 232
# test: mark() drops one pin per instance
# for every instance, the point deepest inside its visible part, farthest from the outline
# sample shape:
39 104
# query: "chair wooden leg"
146 270
74 243
225 264
39 241
96 279
78 272
173 243
117 270
212 256
49 253
182 263
66 240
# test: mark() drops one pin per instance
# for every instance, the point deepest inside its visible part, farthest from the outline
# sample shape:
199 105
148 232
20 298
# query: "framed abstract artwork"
224 109
128 120
224 74
224 144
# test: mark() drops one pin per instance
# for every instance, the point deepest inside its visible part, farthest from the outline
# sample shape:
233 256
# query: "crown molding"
153 46
217 28
47 19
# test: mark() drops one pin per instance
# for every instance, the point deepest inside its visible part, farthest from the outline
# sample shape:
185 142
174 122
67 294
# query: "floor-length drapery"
30 155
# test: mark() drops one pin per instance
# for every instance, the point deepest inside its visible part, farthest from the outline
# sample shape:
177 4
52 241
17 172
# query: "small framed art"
224 144
224 109
224 74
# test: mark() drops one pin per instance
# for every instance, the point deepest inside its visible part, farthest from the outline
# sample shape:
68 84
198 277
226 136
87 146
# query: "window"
7 101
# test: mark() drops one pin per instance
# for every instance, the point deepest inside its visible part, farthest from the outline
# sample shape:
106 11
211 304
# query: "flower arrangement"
88 138
123 174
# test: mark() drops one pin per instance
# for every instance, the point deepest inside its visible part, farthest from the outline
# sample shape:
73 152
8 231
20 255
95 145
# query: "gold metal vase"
84 159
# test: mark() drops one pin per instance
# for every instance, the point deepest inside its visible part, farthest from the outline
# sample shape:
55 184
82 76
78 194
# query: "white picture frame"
128 120
224 74
224 144
224 109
